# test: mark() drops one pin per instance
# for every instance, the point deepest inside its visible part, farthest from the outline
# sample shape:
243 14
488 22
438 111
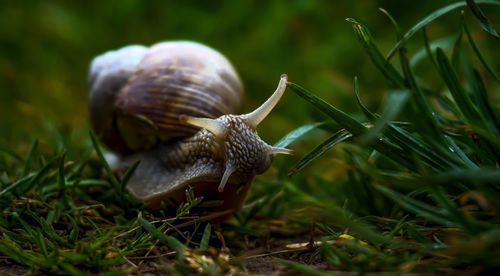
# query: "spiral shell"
137 94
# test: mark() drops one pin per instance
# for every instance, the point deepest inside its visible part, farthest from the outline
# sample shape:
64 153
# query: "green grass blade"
10 153
74 232
15 185
14 251
365 110
62 178
353 126
114 181
334 256
448 179
428 19
393 107
465 105
457 53
484 22
429 50
455 214
412 145
479 55
393 22
42 173
319 150
29 157
342 118
425 117
205 239
40 240
491 130
298 133
389 72
172 242
484 104
418 208
430 47
460 153
129 172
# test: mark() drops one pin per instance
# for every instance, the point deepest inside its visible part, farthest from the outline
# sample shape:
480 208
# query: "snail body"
172 107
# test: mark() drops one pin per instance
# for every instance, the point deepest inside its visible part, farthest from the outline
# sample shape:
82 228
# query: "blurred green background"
46 47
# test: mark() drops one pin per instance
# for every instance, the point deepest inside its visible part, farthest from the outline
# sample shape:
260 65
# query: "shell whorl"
108 74
169 79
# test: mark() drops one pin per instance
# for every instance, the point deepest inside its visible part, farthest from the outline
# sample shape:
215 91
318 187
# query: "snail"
172 106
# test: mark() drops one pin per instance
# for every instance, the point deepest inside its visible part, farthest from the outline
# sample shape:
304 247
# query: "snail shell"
170 106
138 93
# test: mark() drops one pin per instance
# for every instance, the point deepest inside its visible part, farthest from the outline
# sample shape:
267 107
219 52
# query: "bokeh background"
46 48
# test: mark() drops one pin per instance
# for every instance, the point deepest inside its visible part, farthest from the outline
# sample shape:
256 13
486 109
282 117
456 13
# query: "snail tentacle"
212 125
278 150
255 117
229 169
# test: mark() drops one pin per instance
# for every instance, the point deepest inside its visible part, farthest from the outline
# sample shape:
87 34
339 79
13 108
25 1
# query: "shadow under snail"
171 106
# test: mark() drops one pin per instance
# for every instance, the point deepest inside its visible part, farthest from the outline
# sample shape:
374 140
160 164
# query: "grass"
414 188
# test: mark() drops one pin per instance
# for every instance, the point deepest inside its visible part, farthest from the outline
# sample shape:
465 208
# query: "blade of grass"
353 126
490 122
29 157
298 133
12 154
335 256
455 214
449 179
319 150
15 185
393 107
393 22
40 174
428 19
412 145
365 110
425 117
460 153
484 22
170 241
418 208
62 178
129 172
14 251
429 47
342 118
479 55
114 181
205 239
457 54
389 72
468 112
484 104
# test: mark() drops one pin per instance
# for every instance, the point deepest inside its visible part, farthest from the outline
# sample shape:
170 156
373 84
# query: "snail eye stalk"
212 125
254 118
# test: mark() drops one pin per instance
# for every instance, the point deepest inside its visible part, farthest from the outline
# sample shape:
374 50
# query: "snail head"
243 152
